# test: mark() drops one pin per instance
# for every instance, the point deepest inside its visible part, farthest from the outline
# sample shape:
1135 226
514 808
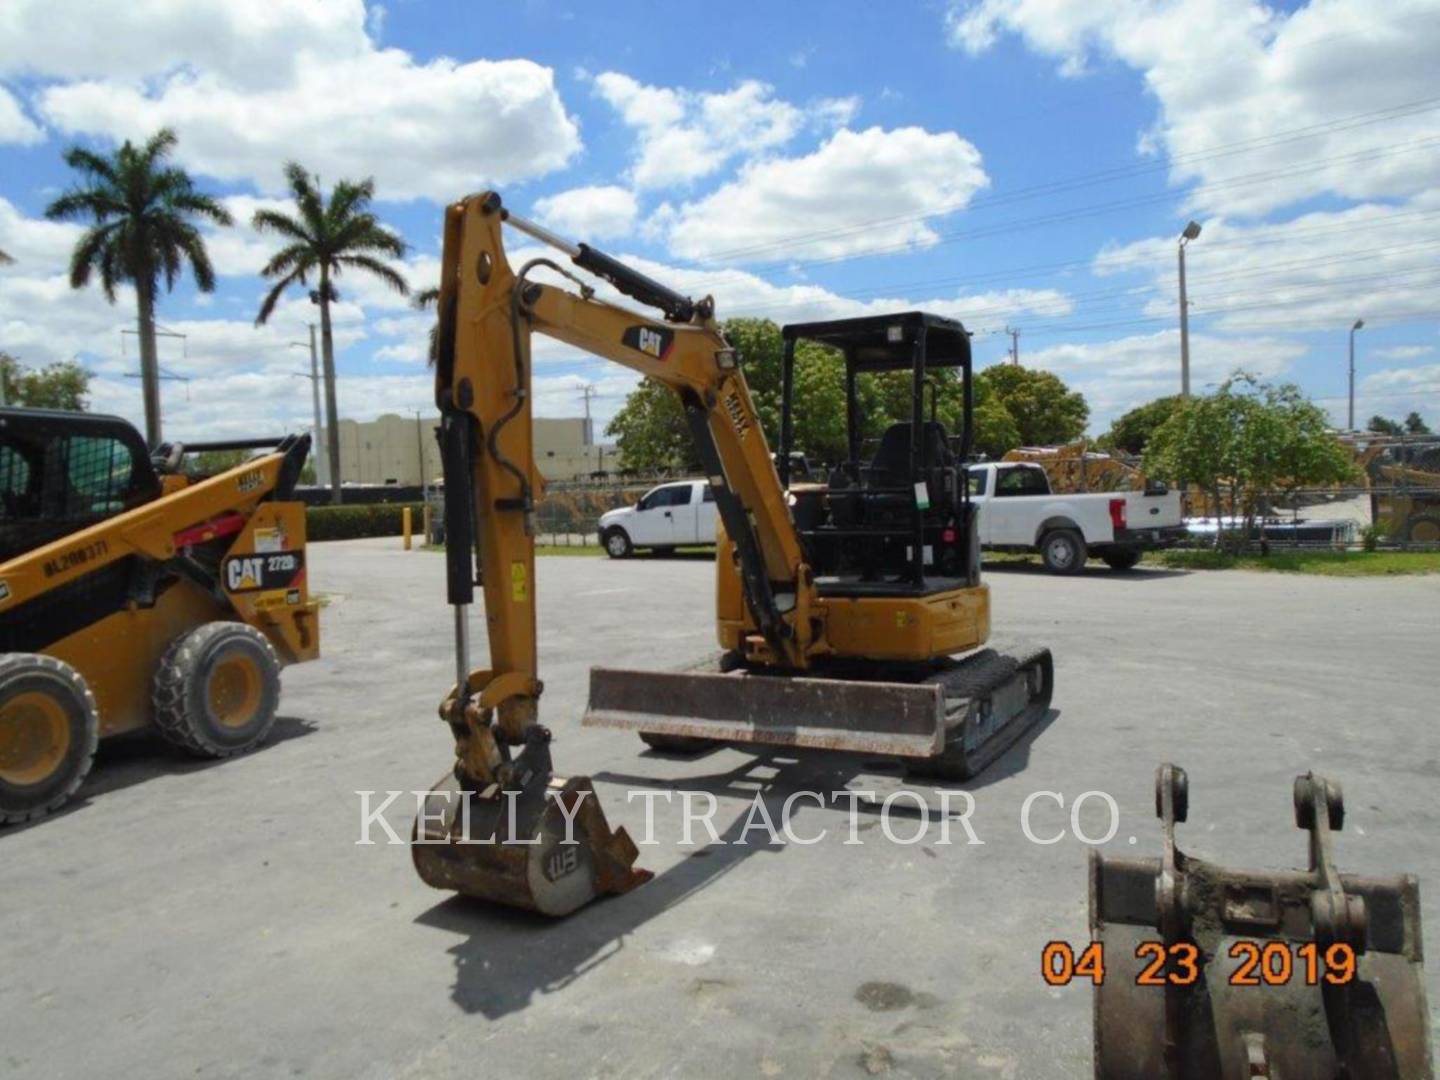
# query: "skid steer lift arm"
502 787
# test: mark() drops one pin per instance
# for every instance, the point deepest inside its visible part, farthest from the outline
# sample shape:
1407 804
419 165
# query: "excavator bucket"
546 846
957 716
1212 972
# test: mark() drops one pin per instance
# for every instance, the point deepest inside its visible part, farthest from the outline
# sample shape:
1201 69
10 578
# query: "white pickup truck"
666 517
1018 512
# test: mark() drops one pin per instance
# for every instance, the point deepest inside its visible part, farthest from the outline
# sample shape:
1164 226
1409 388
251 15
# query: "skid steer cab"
133 594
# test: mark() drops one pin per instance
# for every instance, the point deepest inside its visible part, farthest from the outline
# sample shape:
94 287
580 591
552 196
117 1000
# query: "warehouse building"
390 450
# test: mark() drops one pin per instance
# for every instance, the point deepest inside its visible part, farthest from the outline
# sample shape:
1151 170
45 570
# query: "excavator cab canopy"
898 520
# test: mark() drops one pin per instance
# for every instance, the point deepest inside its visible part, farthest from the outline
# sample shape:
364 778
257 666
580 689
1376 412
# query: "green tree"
1045 410
1248 441
326 237
63 385
650 430
1415 425
1381 425
1132 431
142 214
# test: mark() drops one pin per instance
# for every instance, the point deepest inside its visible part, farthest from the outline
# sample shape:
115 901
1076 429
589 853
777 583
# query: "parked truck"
666 517
1019 512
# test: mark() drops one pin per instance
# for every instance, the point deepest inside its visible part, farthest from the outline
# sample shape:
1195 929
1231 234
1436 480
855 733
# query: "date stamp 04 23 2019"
1260 963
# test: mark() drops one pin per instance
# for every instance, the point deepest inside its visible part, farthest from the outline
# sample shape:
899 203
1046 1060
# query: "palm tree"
5 258
141 212
325 238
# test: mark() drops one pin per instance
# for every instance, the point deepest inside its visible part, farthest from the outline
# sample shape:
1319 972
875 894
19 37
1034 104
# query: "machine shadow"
505 957
123 761
1019 568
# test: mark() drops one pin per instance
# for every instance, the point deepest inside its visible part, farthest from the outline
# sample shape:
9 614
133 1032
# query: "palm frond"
425 298
192 246
378 268
96 245
284 224
267 306
158 146
291 257
91 163
349 198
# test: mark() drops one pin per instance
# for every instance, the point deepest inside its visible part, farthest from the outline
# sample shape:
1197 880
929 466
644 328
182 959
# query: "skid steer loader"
852 616
133 595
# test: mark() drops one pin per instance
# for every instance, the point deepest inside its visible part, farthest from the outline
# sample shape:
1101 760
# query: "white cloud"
15 127
33 242
247 43
684 135
1318 271
1231 71
1394 392
1118 375
1403 352
434 130
589 213
826 202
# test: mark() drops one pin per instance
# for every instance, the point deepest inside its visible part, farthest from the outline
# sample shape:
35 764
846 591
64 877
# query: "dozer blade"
823 714
513 847
1212 972
951 719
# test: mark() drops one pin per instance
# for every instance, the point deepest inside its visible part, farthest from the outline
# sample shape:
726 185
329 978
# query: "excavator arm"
488 313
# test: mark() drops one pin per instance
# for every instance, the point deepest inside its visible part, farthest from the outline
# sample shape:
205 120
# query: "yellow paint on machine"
519 586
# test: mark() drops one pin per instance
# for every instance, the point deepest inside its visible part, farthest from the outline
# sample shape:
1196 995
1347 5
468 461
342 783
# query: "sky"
1019 165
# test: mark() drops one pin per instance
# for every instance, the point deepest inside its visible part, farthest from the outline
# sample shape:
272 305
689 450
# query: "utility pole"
589 392
1359 323
420 450
1014 345
1192 230
322 473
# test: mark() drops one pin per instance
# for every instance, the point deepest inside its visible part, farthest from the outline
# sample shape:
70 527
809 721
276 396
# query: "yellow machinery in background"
842 606
132 595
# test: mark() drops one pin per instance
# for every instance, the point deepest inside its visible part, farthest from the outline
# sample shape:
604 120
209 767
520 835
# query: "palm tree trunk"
149 364
332 415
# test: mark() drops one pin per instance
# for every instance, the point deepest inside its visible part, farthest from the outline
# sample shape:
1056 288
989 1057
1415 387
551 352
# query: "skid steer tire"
217 689
49 728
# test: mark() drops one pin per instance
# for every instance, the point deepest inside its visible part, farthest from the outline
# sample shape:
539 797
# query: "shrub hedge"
356 522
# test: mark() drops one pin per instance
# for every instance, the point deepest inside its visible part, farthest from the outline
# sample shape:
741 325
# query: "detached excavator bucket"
1211 972
546 846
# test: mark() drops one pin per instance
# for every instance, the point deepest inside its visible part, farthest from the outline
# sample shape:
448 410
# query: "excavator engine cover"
1212 972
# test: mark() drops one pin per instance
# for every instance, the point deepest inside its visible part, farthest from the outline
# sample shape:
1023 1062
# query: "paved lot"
189 920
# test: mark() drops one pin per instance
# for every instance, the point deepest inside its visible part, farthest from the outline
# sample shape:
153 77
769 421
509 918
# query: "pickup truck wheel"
1121 560
1063 551
617 544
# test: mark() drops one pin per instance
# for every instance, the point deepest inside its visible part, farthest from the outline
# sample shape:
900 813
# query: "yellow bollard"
405 526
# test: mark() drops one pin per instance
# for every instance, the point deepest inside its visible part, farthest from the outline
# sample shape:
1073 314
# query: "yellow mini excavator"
132 594
842 606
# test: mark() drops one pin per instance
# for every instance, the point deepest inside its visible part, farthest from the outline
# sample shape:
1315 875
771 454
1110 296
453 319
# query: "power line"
1250 145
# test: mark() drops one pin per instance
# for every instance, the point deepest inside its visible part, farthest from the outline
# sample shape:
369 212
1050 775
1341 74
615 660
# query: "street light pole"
1192 230
322 473
1350 426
